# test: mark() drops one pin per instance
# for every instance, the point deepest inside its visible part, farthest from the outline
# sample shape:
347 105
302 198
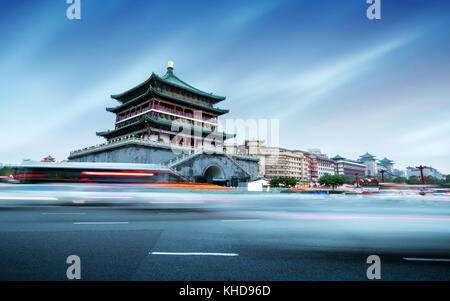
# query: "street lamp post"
421 168
382 175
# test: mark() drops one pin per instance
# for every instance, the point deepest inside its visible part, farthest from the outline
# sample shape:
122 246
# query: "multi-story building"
275 162
349 167
319 165
427 171
370 162
386 164
398 173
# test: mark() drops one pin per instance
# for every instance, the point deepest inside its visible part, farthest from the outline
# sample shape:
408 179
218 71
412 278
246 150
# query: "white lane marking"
240 220
99 223
426 259
193 254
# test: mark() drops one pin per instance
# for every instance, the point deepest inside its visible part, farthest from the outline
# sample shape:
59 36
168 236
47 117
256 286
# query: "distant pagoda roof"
170 79
386 162
48 159
367 157
337 158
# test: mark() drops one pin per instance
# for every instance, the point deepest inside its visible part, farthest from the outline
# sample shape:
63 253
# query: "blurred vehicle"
40 172
369 185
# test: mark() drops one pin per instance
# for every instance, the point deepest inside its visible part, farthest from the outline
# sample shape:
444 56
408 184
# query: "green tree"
447 179
283 182
413 180
331 180
399 180
348 179
5 171
431 180
275 182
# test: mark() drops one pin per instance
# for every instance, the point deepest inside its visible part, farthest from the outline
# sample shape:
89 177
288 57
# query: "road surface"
133 233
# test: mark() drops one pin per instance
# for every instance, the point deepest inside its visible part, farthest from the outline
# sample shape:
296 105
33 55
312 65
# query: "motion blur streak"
115 228
371 217
123 174
31 198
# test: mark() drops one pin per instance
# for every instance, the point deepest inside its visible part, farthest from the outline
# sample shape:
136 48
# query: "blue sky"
336 80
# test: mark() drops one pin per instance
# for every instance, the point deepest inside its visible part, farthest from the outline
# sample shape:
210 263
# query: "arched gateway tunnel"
220 169
214 174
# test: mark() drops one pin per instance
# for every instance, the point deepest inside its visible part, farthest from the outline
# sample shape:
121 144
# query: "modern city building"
275 162
349 167
166 121
398 173
427 171
319 164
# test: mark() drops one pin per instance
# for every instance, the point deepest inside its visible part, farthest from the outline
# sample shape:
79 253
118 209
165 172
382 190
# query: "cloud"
420 135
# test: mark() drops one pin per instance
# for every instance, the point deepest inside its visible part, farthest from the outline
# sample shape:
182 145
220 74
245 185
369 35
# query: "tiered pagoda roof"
386 162
151 90
145 119
337 158
366 157
170 88
150 86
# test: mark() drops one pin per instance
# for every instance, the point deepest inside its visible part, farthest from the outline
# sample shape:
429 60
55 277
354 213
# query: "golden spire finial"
170 64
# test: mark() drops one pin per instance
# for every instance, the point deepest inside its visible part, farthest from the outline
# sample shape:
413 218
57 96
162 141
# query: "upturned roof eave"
151 89
189 87
147 118
118 96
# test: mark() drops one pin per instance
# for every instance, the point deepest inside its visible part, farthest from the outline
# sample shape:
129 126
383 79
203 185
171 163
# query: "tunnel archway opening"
214 175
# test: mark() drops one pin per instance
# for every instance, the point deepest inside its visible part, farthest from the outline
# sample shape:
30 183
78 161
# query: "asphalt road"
160 235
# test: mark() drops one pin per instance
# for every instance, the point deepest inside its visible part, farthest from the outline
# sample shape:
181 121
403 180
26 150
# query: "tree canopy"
283 182
331 180
5 171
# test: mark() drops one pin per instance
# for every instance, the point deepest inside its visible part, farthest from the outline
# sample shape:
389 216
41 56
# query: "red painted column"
157 117
151 105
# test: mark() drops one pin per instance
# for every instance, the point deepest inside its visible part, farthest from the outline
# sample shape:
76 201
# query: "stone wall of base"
128 154
193 168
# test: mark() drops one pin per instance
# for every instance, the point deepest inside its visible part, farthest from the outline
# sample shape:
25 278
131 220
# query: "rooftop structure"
386 164
48 159
156 109
370 162
367 157
349 167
